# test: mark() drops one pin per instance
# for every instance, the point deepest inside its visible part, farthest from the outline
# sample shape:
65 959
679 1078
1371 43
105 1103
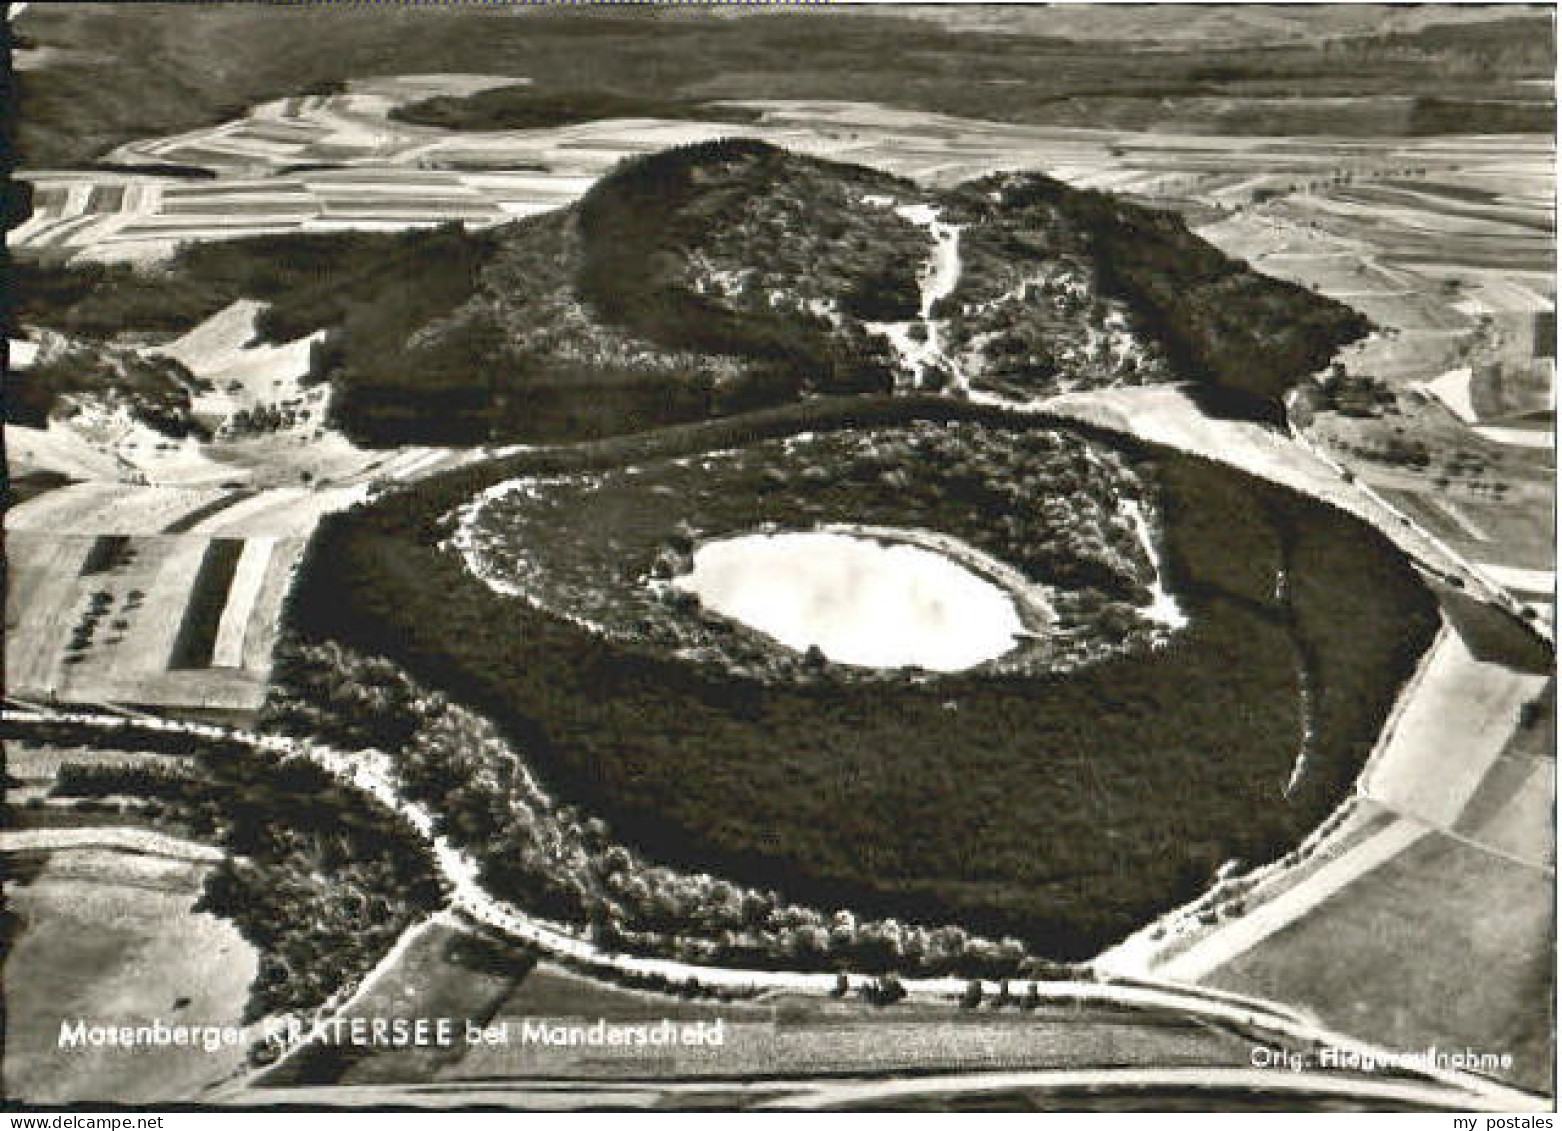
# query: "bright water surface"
861 601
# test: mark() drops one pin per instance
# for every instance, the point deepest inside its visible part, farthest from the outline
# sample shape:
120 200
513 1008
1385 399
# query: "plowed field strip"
197 637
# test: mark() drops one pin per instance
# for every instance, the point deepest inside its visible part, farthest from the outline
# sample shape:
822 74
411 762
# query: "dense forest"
553 860
309 281
1033 806
1244 334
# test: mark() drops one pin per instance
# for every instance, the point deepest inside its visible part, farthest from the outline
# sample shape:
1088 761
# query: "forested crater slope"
1063 804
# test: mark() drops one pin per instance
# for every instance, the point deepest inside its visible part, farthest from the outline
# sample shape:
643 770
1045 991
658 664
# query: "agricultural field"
451 971
151 620
1508 813
314 875
1453 257
445 970
1445 743
150 572
33 766
381 174
1452 819
112 937
1327 75
807 1036
1479 928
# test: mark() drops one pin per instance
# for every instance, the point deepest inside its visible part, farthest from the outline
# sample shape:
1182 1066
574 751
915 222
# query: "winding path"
461 871
937 280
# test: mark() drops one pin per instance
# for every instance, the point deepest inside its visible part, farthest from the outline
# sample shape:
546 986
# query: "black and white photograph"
735 557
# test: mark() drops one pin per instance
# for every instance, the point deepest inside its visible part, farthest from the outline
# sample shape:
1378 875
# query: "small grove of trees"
155 390
971 996
261 419
74 779
974 995
885 990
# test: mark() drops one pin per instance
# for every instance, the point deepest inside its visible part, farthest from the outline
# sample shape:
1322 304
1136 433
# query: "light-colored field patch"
109 508
128 656
220 350
52 598
809 1036
112 938
116 838
135 510
1457 516
1539 438
43 601
1536 581
249 578
1513 811
1449 734
20 353
284 512
57 448
1276 914
1436 514
1453 389
260 636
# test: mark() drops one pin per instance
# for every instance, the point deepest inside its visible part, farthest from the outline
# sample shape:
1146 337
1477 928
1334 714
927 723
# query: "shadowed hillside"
728 276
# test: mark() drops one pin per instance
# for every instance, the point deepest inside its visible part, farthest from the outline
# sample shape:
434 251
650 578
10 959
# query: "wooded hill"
726 276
